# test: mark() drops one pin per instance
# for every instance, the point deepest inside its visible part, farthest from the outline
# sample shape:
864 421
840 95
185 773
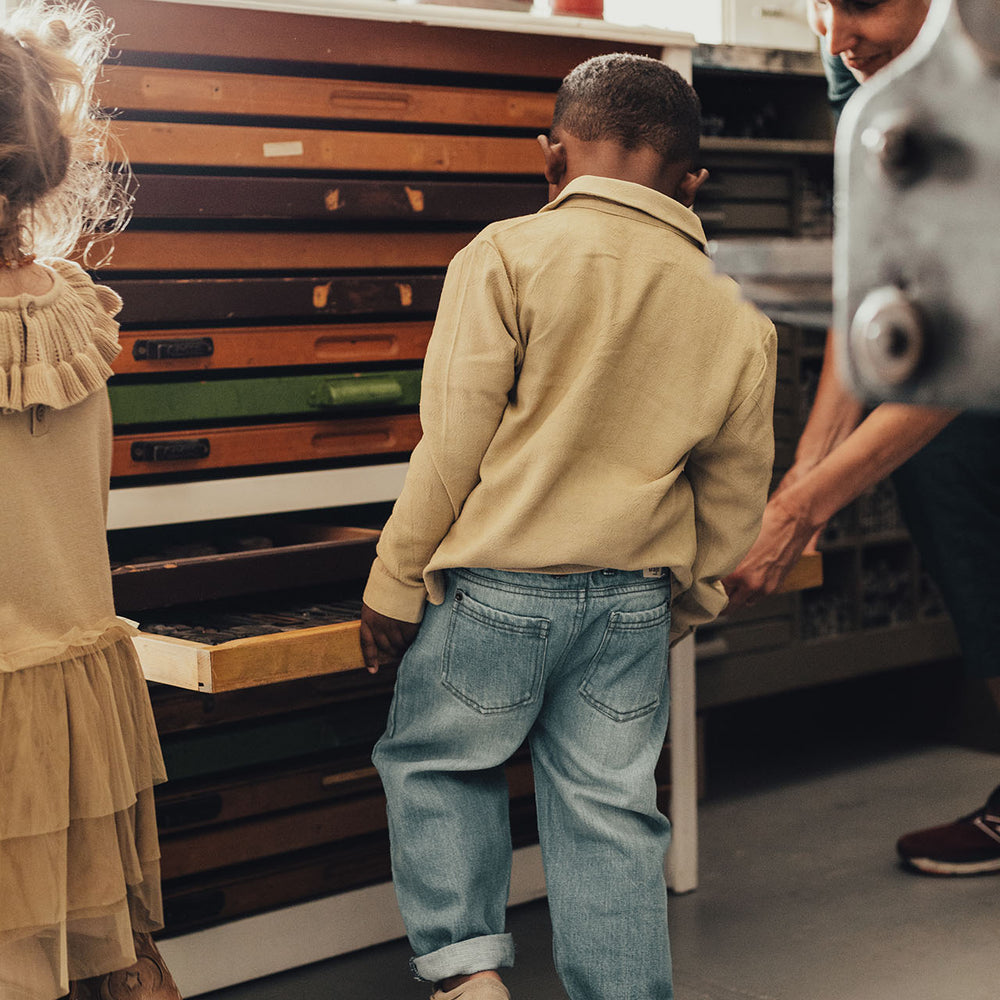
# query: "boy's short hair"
633 100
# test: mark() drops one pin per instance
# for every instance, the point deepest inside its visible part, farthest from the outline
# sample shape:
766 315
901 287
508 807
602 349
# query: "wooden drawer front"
210 802
206 348
222 251
235 447
333 200
148 88
193 145
165 403
192 300
280 830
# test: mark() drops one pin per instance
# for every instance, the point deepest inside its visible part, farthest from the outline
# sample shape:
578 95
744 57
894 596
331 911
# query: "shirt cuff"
393 598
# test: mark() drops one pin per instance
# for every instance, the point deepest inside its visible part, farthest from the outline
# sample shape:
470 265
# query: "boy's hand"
384 640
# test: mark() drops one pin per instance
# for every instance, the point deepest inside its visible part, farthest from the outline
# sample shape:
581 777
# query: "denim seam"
634 587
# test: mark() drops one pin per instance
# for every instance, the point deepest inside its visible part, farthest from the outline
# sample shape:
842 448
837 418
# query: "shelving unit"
876 609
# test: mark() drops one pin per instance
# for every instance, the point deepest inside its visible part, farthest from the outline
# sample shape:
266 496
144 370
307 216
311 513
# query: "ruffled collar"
56 348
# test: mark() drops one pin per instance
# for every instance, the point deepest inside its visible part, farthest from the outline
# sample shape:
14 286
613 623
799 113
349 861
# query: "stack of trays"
287 252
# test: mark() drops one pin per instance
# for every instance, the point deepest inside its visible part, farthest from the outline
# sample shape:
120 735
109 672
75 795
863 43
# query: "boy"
597 446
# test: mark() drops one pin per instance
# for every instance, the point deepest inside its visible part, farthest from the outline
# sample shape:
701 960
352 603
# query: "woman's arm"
835 463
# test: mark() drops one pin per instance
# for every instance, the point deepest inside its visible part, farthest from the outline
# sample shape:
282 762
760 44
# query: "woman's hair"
633 100
57 189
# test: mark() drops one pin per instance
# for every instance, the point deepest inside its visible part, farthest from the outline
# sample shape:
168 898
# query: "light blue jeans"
577 666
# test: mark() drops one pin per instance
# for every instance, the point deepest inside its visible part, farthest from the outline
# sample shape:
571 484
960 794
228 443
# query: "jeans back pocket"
493 659
627 677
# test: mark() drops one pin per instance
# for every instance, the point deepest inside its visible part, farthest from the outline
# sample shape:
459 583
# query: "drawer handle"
182 450
168 350
357 392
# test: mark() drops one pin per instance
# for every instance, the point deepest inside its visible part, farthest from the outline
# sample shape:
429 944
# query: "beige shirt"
594 396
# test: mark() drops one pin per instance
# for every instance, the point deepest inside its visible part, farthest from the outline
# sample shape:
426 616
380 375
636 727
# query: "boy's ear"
689 185
555 160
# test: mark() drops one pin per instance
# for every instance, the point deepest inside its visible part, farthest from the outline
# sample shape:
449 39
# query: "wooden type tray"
186 401
250 662
192 451
206 348
199 300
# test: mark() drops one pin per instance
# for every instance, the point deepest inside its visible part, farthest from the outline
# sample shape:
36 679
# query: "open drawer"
250 661
257 601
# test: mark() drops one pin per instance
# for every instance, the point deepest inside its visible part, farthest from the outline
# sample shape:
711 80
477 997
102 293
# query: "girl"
79 859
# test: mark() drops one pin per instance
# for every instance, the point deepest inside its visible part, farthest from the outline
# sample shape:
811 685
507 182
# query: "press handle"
183 450
172 349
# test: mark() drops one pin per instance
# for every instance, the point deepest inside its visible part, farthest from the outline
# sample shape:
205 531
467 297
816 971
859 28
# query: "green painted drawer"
230 399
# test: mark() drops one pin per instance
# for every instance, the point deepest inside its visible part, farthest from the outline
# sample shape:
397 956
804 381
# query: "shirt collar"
638 197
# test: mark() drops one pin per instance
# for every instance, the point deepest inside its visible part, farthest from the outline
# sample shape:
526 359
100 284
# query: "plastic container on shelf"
579 8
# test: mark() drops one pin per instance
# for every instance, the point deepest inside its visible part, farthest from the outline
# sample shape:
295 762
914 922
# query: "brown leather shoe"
148 979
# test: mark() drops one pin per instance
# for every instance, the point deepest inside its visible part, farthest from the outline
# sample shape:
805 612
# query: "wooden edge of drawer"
250 662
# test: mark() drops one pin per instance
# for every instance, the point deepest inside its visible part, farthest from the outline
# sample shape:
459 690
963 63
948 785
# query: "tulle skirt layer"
79 858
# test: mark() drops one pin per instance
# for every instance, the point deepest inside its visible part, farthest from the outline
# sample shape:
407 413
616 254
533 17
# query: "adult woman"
944 465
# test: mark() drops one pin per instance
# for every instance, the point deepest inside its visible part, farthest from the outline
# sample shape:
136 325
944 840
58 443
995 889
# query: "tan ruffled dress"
79 859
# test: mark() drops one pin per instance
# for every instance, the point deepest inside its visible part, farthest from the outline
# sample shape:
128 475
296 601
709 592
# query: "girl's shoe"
147 979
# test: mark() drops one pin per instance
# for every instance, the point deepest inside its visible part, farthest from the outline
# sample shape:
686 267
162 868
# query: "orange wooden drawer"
233 447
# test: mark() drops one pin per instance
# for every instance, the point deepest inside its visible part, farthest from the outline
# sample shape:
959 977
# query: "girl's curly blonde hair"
58 192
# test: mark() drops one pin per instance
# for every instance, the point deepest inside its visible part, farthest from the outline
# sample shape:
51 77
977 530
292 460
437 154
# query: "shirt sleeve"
470 371
730 476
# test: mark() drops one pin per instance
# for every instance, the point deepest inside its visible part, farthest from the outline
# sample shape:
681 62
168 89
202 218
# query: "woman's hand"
784 535
384 640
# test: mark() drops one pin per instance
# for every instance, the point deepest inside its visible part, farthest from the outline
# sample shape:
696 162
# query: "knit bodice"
56 348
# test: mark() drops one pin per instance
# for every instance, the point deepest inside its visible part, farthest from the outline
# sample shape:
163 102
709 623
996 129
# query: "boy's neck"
568 157
605 158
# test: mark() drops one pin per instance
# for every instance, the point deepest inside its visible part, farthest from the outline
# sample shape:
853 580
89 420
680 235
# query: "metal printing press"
917 252
916 256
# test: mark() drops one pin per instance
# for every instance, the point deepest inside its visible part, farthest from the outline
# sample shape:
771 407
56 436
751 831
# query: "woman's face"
867 34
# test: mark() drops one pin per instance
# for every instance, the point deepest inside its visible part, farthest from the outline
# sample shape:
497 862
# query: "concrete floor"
800 895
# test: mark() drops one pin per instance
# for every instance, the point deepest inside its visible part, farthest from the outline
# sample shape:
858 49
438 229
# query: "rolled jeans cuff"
492 951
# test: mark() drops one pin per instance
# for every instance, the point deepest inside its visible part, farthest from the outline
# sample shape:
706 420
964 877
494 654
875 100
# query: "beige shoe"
483 988
148 979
